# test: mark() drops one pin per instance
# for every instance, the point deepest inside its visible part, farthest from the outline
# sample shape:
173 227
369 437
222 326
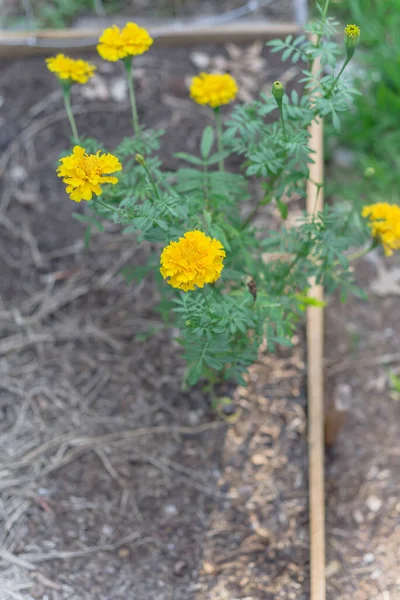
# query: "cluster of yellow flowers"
69 69
195 259
385 224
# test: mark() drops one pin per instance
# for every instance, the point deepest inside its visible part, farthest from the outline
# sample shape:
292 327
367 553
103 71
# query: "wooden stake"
27 43
315 383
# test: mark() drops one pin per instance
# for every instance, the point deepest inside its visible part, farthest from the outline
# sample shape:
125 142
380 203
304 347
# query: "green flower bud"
140 159
278 91
351 39
188 322
369 172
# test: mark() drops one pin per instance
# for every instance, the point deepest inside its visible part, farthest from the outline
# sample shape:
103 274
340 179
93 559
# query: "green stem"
282 120
70 115
218 126
265 200
132 97
323 19
152 180
346 62
205 185
363 251
122 213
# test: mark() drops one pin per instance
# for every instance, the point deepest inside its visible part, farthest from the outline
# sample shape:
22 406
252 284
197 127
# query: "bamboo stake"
26 43
315 337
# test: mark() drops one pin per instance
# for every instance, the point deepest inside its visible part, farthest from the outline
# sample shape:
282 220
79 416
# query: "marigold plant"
233 277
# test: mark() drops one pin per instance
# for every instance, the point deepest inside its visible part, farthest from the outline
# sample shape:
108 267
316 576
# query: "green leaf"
283 209
207 140
88 235
394 382
88 219
193 160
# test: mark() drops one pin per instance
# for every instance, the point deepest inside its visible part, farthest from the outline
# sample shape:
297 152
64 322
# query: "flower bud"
140 159
369 172
351 39
278 91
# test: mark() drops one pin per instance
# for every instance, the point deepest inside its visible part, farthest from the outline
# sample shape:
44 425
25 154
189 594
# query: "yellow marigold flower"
84 173
136 39
78 71
115 43
351 38
194 260
352 31
213 89
385 224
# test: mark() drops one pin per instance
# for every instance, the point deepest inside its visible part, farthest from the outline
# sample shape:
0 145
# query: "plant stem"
363 251
132 98
113 208
151 179
282 120
323 18
218 126
262 202
70 115
346 62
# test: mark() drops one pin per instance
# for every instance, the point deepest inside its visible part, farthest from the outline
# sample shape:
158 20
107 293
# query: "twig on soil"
370 361
17 342
115 436
12 559
37 126
28 559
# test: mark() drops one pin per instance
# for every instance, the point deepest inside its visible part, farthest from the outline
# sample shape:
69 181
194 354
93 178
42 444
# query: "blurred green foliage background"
371 132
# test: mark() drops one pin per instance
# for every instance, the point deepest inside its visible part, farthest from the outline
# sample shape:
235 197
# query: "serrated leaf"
283 209
194 160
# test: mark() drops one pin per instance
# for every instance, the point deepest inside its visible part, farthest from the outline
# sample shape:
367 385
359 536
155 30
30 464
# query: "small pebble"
374 503
18 173
368 558
358 516
170 510
179 567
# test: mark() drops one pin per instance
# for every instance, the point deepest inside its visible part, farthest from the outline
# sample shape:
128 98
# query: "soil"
117 484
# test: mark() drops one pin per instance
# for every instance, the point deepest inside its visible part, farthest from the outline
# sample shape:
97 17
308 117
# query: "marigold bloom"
385 224
78 71
84 173
352 31
136 39
194 260
213 89
115 43
351 38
